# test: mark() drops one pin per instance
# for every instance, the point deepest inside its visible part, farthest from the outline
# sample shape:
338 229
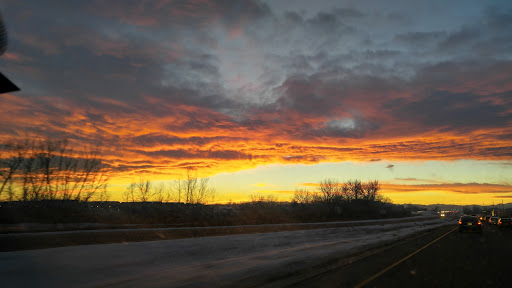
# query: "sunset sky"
265 97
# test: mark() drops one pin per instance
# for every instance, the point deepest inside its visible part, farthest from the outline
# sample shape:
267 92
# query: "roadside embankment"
14 241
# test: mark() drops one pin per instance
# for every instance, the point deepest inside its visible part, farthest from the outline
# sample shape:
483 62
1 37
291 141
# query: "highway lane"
456 260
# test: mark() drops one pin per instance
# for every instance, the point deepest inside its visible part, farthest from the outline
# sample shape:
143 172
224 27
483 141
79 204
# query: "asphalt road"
465 259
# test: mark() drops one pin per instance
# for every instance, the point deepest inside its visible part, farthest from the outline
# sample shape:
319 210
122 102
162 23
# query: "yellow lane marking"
400 261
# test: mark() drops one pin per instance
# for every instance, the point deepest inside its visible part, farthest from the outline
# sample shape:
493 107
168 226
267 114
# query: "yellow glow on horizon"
470 182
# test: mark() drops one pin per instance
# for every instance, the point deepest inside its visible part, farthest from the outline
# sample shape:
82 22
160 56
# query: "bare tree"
302 196
11 158
331 190
205 193
45 160
160 193
370 190
383 199
266 199
178 188
190 187
354 189
193 190
30 175
144 190
49 169
103 195
129 193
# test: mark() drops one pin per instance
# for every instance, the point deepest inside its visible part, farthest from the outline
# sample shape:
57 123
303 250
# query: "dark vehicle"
504 222
494 220
470 223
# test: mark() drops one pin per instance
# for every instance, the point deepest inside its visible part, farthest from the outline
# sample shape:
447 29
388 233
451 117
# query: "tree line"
37 169
332 191
44 169
188 189
342 199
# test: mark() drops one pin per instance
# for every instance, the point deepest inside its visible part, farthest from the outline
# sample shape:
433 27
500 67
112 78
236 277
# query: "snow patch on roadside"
194 261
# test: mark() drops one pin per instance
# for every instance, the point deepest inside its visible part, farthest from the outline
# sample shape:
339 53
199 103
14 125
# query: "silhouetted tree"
144 190
355 189
331 190
49 169
193 190
370 190
129 193
11 158
302 196
160 193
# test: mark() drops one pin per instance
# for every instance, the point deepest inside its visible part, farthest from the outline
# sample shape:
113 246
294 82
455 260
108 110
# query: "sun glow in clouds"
225 88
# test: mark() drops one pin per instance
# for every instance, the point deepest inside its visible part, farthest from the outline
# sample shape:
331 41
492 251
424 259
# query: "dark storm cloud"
98 56
193 165
346 13
325 20
346 100
498 19
505 152
420 39
182 12
302 159
131 167
304 94
157 140
463 39
487 37
197 154
505 137
456 111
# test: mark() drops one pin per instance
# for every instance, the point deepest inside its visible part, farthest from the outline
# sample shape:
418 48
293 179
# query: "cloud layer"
226 85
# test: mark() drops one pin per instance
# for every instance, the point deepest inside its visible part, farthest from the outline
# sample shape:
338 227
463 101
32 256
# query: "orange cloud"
165 138
462 188
16 57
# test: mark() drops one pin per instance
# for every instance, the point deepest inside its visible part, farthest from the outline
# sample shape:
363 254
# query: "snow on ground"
194 262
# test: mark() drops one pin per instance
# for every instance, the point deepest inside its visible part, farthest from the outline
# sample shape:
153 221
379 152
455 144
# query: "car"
504 222
494 220
471 223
